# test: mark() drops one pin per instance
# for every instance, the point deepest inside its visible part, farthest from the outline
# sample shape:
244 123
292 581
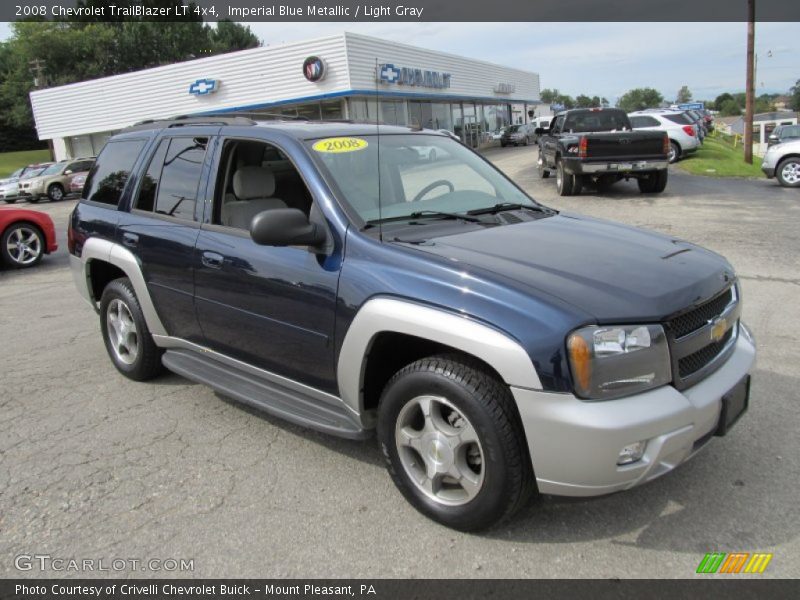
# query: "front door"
270 307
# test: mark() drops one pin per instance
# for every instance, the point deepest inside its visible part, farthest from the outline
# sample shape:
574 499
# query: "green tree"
795 96
730 108
721 99
639 99
582 101
548 96
684 95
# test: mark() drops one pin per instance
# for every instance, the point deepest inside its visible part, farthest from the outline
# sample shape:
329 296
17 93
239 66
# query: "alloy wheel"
24 246
122 332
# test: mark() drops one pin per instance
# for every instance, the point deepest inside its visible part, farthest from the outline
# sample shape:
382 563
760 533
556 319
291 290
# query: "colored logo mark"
734 562
314 69
201 87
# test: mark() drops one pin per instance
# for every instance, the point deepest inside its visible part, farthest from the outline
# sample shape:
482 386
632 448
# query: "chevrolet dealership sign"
390 74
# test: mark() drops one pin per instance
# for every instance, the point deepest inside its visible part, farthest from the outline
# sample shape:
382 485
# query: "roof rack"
187 120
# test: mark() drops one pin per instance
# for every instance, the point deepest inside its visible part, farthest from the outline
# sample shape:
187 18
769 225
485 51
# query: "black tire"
55 192
503 144
565 182
543 172
147 362
488 406
10 200
788 172
653 183
674 152
31 253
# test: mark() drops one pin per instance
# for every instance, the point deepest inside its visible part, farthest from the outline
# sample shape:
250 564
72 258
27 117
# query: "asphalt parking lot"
94 466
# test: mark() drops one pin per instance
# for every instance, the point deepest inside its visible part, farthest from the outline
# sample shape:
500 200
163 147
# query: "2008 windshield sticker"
340 144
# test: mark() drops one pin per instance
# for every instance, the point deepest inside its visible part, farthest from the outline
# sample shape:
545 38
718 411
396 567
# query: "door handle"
212 260
130 239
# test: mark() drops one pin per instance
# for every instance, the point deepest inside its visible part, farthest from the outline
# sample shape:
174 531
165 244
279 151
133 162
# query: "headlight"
613 361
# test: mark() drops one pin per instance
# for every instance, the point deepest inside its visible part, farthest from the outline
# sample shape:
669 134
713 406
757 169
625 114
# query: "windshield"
53 169
33 173
417 173
512 128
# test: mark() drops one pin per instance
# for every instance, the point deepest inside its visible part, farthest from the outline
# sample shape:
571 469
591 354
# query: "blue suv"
362 279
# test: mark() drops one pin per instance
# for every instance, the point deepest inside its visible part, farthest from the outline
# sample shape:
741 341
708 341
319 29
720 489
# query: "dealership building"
346 76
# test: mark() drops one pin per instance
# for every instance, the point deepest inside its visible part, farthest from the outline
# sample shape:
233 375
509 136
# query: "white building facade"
346 76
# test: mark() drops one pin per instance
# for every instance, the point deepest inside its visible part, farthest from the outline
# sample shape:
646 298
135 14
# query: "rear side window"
110 173
680 119
176 194
637 122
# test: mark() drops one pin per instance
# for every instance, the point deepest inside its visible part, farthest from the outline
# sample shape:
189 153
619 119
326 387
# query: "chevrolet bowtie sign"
389 73
202 87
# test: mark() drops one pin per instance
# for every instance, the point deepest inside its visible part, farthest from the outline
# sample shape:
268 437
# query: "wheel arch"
105 259
424 330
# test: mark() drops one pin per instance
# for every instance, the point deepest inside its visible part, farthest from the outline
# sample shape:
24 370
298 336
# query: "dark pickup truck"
597 147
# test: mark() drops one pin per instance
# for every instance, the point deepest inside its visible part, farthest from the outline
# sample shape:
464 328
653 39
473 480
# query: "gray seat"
253 188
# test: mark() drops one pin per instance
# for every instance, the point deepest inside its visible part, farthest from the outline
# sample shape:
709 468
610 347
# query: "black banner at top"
405 10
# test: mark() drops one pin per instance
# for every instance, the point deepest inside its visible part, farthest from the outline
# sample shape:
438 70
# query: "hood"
612 271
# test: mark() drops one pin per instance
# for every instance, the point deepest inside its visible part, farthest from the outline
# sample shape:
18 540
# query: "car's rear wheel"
55 192
453 442
674 152
128 340
653 183
566 183
22 245
10 200
788 172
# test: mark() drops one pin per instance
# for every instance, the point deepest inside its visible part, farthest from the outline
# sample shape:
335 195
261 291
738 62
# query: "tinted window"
680 119
53 169
601 120
637 122
790 132
110 173
180 176
148 187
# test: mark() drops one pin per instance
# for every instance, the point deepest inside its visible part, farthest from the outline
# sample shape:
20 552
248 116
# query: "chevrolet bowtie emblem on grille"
718 328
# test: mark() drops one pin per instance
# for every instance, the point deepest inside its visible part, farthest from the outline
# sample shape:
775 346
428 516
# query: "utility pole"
750 92
37 69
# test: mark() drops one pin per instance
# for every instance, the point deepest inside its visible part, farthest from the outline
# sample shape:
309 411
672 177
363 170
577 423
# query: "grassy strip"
11 161
718 158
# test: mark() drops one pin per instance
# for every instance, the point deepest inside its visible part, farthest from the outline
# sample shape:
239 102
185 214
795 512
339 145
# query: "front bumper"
574 445
621 167
768 171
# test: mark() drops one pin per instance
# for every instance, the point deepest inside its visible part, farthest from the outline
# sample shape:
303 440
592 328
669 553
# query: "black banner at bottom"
440 589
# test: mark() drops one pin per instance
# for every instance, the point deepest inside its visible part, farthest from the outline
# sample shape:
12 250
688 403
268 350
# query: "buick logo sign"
314 69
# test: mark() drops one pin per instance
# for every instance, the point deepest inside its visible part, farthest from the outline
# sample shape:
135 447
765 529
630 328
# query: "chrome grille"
697 346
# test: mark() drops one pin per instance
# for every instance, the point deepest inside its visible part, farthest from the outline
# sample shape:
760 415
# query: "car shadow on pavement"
738 493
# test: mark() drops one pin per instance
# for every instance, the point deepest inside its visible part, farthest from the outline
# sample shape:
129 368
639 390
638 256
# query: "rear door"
163 223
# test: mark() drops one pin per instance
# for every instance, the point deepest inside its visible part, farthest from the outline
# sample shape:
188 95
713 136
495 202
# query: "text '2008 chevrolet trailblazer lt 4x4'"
337 276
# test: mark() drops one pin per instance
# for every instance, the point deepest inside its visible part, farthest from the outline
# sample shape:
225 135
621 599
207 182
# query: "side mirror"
68 172
540 131
285 227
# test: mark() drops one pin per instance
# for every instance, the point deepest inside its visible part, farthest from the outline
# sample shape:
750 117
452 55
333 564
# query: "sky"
602 59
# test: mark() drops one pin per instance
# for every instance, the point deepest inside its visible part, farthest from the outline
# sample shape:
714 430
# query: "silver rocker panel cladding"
110 252
380 315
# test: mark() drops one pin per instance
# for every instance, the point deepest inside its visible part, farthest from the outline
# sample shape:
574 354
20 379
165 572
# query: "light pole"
750 91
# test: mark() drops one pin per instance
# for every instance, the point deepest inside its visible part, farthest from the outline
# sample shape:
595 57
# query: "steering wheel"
432 186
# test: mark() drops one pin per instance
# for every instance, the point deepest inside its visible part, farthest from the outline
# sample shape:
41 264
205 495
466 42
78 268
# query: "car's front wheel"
544 173
788 172
125 333
453 442
22 245
55 192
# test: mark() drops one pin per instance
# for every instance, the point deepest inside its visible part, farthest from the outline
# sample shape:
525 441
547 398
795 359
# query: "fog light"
631 453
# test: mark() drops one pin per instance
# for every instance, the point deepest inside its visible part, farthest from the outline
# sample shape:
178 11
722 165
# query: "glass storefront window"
393 112
362 110
441 117
331 109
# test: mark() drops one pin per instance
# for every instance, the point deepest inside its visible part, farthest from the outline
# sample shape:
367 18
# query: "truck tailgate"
633 145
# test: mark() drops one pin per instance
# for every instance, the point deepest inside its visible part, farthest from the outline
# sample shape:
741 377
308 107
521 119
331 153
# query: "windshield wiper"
422 214
503 206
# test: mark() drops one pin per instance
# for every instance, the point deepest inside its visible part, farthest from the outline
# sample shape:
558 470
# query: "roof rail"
186 120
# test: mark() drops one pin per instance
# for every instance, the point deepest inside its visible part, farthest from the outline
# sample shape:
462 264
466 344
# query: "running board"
261 393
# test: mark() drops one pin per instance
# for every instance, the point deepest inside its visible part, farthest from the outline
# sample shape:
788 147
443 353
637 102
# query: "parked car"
494 345
783 133
25 236
53 182
518 134
598 146
12 189
77 181
698 120
682 134
782 161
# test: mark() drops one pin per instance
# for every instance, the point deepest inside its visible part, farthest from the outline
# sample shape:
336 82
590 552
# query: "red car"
25 236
